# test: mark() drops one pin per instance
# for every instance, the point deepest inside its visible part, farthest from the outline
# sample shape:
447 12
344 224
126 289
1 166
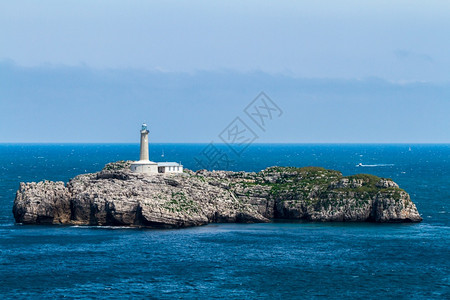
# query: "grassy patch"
179 203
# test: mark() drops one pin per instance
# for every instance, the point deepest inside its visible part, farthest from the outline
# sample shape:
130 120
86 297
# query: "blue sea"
231 261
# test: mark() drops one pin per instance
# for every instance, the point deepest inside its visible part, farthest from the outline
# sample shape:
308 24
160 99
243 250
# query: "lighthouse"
144 143
144 165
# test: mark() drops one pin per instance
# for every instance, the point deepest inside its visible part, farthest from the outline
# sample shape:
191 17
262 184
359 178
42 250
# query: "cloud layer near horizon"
81 104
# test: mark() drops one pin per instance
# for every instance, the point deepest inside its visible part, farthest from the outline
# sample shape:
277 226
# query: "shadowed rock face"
116 196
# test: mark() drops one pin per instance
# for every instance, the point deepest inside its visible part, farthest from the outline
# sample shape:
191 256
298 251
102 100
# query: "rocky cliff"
115 196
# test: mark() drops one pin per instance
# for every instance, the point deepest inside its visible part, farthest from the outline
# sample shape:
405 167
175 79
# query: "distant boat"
409 149
359 165
162 155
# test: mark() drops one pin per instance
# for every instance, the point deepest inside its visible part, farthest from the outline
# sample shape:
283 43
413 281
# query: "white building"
144 165
169 167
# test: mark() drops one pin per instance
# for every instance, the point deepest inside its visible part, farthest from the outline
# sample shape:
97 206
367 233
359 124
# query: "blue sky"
341 71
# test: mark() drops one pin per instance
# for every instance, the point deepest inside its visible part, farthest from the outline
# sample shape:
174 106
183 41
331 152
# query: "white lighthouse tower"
144 165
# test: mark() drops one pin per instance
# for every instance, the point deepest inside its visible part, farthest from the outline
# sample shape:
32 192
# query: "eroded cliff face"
116 196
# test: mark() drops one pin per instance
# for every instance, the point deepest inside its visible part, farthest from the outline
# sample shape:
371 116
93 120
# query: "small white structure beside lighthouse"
144 165
170 167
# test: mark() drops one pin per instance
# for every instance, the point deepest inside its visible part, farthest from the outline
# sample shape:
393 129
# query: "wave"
375 165
102 227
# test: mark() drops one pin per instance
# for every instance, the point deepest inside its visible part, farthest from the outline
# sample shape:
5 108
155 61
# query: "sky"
340 71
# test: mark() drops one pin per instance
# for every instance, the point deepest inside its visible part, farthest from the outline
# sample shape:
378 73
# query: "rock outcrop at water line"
115 196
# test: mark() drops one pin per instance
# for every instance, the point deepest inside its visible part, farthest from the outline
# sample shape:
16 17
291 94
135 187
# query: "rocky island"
117 197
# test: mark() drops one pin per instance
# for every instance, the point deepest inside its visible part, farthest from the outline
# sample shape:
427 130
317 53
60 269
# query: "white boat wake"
375 165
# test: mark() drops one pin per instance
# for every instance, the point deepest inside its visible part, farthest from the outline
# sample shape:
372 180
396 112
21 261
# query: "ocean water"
232 261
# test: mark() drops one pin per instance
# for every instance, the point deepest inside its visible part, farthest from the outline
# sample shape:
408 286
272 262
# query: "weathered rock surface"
115 196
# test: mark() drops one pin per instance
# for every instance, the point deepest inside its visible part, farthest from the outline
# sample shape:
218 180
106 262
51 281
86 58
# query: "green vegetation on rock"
314 184
118 165
179 203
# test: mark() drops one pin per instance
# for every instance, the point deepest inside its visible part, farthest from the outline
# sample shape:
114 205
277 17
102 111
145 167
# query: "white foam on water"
102 227
375 165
